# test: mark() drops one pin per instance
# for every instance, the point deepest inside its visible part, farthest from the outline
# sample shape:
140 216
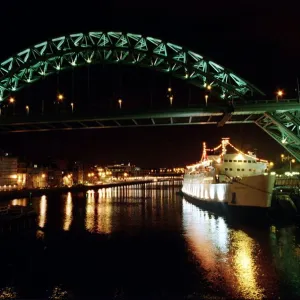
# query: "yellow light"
120 101
279 93
60 97
293 161
271 164
43 175
11 99
209 87
169 89
282 155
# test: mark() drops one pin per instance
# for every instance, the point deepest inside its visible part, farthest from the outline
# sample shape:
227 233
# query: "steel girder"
283 126
79 49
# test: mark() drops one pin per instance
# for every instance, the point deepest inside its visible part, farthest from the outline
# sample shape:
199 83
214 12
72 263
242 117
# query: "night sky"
256 39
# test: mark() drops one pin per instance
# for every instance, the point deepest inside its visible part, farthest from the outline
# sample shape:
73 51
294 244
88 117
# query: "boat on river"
229 181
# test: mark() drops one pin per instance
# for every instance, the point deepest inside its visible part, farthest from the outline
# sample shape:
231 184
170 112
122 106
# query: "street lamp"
120 103
171 100
279 94
12 101
206 98
72 106
60 97
27 109
291 162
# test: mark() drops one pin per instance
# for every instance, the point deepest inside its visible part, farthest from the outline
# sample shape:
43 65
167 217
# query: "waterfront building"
8 171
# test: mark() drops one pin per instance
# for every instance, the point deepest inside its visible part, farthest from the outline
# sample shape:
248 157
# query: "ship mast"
204 152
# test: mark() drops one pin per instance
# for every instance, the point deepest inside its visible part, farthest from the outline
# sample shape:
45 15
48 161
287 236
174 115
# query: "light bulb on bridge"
280 93
120 103
60 97
11 99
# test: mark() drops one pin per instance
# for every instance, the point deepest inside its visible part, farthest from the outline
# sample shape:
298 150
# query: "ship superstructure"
235 178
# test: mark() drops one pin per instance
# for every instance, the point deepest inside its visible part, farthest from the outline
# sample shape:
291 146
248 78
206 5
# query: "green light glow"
79 49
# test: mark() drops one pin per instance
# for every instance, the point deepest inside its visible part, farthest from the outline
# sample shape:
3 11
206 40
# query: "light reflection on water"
42 212
236 261
225 254
68 212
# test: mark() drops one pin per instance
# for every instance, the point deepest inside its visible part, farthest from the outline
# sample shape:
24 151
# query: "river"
146 242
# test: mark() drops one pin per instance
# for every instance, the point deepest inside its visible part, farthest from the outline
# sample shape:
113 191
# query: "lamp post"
279 94
206 98
12 101
72 107
27 109
120 103
291 162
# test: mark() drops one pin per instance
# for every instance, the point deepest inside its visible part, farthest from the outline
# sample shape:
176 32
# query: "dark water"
146 243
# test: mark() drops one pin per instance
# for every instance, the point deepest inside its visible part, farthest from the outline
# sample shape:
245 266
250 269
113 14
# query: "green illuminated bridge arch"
79 49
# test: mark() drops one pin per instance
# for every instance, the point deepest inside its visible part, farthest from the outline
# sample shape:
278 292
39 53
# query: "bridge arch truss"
57 54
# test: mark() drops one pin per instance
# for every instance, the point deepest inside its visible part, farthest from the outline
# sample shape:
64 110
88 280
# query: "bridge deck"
243 113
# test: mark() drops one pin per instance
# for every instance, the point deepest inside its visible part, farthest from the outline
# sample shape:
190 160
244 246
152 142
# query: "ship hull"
247 198
249 214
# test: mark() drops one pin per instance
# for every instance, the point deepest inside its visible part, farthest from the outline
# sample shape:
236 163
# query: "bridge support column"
283 127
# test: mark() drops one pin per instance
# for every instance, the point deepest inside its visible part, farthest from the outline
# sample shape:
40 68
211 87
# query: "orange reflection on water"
68 212
90 211
104 211
19 202
43 211
227 256
245 266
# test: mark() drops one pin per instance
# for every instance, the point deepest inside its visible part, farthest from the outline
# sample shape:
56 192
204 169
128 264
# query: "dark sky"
259 40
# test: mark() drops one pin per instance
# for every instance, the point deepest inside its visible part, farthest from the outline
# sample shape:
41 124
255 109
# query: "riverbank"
28 193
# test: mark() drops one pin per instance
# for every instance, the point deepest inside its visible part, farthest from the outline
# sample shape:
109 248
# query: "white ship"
229 180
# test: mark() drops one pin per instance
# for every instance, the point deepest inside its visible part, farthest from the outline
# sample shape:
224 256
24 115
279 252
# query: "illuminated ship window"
238 169
249 161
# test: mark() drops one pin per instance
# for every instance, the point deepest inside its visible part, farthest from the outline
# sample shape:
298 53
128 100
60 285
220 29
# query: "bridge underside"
280 120
140 120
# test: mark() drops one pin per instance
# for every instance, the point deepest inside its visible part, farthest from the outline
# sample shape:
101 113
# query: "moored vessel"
228 181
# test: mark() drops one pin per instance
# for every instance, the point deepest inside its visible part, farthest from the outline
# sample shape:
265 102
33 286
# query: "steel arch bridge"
281 122
79 49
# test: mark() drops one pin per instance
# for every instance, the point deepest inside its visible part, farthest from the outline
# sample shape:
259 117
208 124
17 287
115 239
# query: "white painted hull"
252 191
